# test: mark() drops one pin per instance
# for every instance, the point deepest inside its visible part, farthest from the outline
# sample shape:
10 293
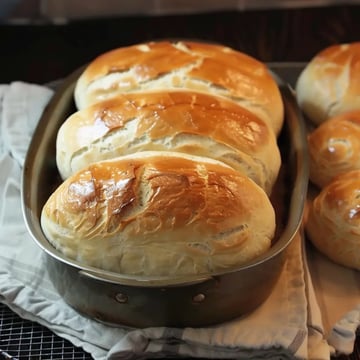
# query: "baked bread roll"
203 67
333 221
181 121
334 147
329 85
159 214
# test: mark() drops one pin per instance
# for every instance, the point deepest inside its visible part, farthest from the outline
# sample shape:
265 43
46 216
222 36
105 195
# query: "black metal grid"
22 339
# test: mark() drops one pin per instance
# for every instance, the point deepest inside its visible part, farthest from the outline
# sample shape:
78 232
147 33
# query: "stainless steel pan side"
185 301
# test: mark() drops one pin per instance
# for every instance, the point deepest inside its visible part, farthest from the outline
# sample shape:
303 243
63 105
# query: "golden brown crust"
329 85
158 213
333 222
190 65
181 121
334 147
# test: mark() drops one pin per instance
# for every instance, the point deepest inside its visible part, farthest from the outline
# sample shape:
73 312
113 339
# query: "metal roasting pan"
196 300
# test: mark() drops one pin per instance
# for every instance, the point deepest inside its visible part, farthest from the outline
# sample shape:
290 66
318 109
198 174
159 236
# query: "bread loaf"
333 221
181 121
169 162
329 84
159 213
202 67
334 147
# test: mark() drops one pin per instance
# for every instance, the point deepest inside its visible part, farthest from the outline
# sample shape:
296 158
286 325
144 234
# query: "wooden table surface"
43 53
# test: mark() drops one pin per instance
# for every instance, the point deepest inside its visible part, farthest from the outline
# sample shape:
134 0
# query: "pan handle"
144 281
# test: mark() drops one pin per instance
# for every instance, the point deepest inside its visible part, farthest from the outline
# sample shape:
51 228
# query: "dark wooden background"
42 53
46 52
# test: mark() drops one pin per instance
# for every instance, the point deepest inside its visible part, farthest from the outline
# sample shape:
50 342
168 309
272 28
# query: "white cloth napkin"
288 325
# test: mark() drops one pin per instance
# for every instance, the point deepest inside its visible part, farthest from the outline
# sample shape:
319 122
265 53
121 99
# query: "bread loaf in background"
180 121
334 147
204 67
333 220
160 214
329 84
328 92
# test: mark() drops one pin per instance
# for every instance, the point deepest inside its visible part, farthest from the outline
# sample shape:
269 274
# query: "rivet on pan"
121 298
199 298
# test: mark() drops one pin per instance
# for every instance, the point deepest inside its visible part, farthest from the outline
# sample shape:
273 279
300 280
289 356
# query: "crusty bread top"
183 121
333 222
159 213
334 147
193 65
329 85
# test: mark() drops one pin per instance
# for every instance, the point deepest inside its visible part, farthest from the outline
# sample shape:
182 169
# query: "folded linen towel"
288 325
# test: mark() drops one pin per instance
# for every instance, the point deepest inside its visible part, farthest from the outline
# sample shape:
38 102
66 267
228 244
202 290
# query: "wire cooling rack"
22 339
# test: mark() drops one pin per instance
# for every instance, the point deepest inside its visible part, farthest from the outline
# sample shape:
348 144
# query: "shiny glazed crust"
183 65
333 222
334 147
159 213
329 85
180 121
